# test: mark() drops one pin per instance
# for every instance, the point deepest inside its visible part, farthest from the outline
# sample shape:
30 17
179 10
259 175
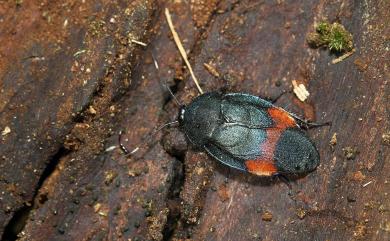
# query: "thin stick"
181 48
344 56
139 42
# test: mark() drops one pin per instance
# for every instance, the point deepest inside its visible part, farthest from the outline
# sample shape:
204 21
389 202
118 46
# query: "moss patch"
332 36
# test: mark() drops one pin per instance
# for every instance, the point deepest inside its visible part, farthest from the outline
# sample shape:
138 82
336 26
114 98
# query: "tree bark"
73 76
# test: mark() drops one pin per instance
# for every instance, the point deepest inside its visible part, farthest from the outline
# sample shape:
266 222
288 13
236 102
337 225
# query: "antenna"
145 141
165 81
185 58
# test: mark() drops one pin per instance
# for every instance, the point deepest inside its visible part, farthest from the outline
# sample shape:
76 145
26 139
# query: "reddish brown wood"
165 192
57 59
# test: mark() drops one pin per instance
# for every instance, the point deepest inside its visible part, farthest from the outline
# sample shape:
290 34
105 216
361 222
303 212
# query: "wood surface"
72 77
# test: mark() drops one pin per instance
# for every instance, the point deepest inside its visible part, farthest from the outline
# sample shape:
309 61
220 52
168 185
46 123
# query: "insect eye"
297 167
181 113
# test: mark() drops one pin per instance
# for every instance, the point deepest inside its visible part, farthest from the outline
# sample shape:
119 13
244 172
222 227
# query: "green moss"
333 36
323 28
340 39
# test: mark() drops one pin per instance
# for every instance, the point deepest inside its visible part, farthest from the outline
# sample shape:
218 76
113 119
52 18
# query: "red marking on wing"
265 165
269 145
261 167
281 118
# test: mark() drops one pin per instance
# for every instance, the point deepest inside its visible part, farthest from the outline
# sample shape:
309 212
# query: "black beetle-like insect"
248 133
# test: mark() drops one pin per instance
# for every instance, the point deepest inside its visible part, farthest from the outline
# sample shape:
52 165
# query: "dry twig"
181 48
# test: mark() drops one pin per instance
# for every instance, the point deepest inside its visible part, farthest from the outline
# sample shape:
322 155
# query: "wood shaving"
6 131
211 69
300 91
366 184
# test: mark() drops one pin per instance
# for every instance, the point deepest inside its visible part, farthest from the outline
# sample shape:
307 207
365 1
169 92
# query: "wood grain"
70 81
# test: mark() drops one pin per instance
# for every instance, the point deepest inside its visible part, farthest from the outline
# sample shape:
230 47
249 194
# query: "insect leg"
273 100
124 149
305 124
121 146
283 178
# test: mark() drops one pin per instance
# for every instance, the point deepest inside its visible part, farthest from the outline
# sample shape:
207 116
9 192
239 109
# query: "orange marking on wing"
269 145
264 166
261 167
281 118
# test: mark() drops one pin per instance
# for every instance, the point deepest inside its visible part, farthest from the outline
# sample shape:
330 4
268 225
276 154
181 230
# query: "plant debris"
333 140
386 138
301 213
6 131
211 69
358 176
361 64
223 193
267 216
350 153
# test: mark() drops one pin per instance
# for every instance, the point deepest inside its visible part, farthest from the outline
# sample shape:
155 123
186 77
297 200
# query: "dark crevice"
20 217
16 224
51 166
176 185
177 181
173 197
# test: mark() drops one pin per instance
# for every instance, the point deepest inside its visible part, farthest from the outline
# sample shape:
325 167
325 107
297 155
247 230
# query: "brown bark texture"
72 76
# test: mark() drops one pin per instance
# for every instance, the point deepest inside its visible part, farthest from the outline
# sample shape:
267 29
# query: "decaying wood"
73 76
